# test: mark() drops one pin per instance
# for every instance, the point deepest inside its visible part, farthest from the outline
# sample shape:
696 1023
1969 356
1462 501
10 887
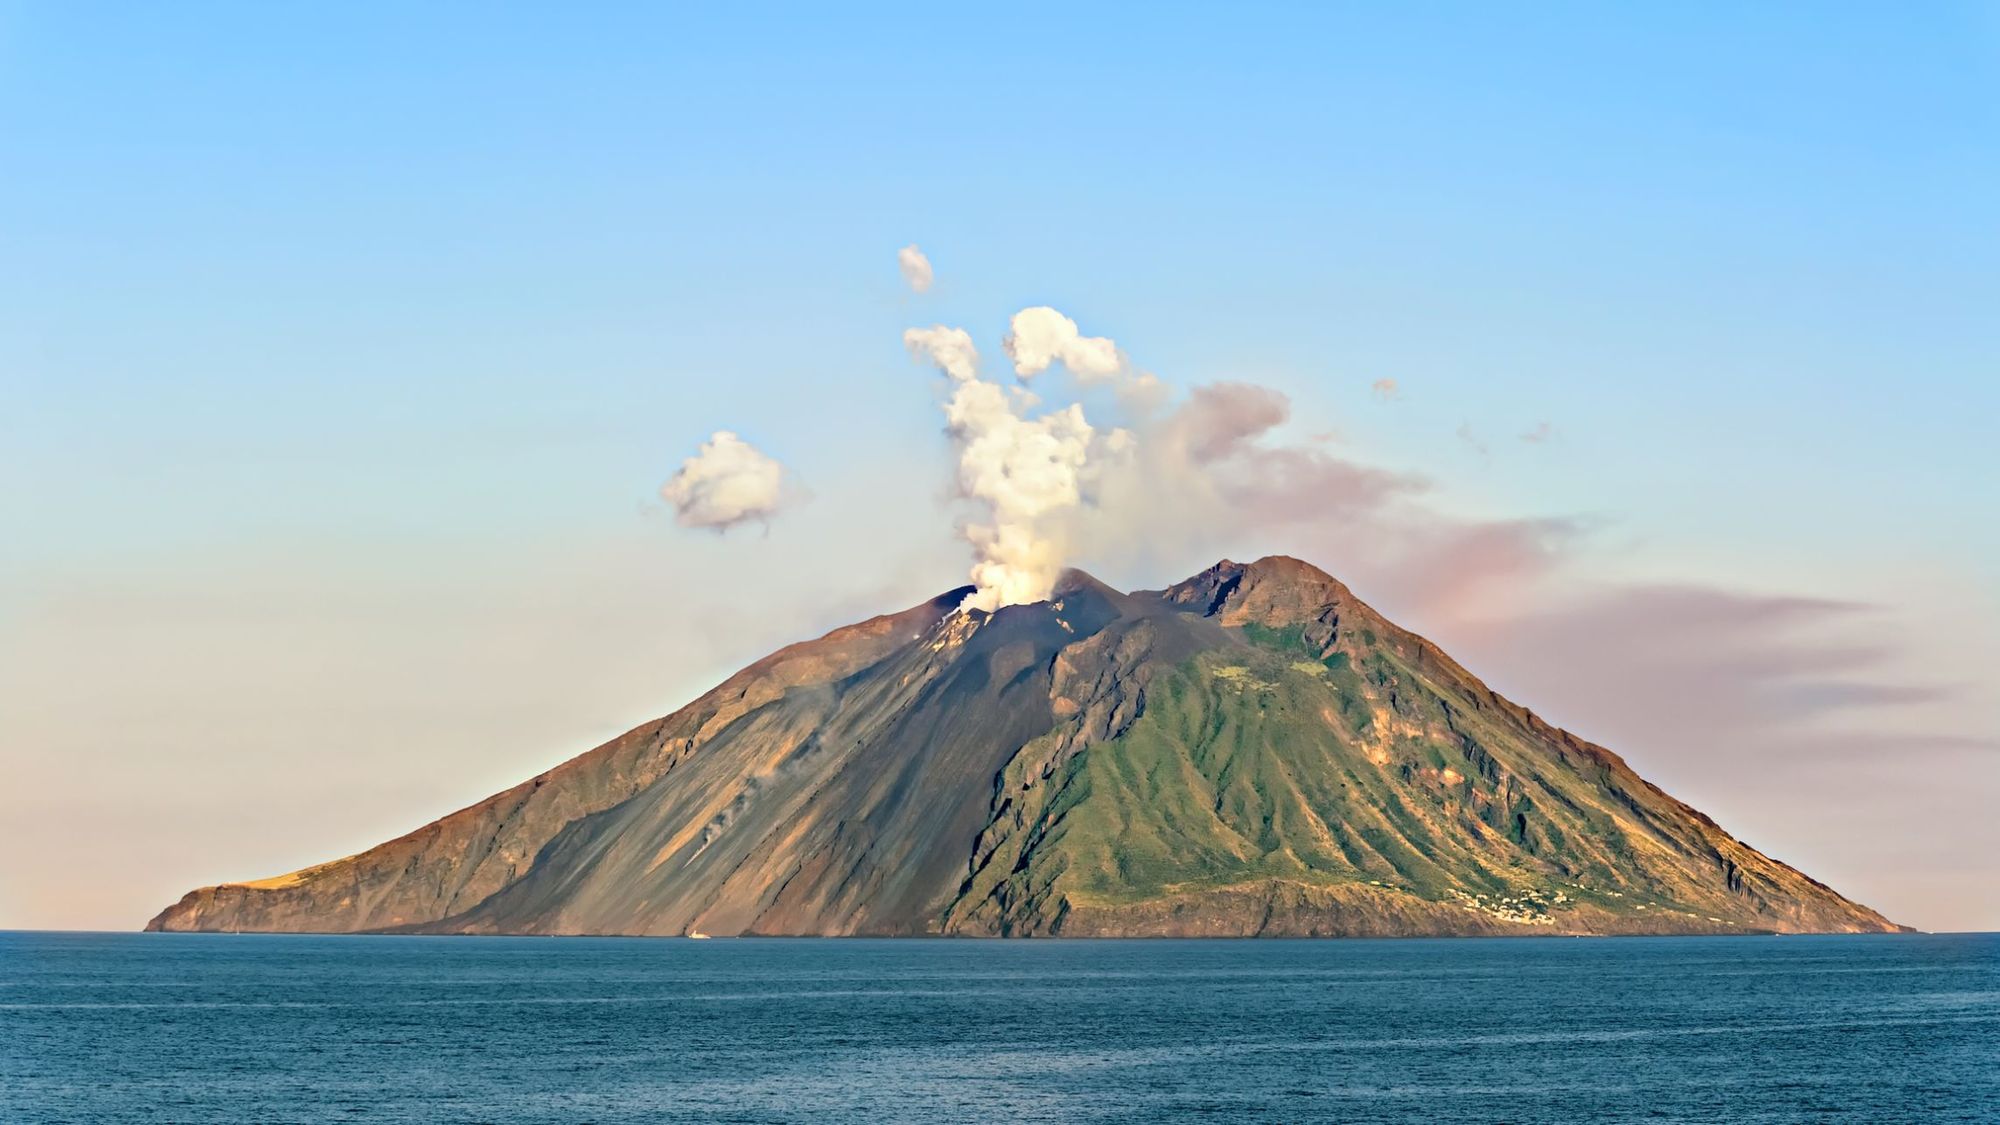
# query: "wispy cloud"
1473 441
916 268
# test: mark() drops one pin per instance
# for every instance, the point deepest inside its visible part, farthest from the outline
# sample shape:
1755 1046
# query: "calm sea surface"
199 1028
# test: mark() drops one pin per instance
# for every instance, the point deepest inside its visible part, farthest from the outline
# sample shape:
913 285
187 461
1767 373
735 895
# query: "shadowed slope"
453 864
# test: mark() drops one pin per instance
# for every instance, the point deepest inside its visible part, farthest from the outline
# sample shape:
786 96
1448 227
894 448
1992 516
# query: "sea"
267 1028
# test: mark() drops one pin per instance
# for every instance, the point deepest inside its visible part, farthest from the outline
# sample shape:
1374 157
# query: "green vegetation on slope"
1248 765
1269 761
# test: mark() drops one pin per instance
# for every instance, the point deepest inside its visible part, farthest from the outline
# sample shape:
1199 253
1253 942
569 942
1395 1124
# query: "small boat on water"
697 935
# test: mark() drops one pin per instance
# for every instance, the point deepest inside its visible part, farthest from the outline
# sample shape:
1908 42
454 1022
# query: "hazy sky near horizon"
343 352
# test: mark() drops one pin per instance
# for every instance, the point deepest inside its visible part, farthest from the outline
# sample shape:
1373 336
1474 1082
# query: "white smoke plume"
1041 336
950 348
1170 477
726 482
916 268
1022 469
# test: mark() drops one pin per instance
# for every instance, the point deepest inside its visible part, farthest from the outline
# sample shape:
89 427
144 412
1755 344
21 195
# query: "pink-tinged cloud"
1219 420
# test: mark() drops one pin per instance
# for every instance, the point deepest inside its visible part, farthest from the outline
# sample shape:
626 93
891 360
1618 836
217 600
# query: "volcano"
1251 752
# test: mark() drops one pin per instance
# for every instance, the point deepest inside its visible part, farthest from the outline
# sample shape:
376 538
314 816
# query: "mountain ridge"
1252 751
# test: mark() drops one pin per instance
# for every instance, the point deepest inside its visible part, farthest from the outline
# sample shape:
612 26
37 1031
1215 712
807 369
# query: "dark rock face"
1251 752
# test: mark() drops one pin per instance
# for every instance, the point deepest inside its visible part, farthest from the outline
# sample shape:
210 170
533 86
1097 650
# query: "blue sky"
413 312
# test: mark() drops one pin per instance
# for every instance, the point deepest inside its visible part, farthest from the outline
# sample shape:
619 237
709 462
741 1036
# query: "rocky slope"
1251 752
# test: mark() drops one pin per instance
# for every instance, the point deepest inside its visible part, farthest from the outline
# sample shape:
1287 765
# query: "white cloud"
1386 389
950 348
1041 336
916 268
726 482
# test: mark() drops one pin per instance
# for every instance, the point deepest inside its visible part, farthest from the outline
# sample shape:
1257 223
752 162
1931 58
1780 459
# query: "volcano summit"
1251 752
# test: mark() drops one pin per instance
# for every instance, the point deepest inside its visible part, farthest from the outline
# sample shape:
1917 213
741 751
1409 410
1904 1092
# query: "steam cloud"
1050 485
726 482
916 268
1024 470
950 348
1042 336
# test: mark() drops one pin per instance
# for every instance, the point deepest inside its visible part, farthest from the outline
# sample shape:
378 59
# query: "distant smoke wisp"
916 268
728 481
1386 389
1471 440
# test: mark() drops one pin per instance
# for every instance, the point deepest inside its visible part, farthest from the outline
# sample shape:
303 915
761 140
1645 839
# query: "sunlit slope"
1252 752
